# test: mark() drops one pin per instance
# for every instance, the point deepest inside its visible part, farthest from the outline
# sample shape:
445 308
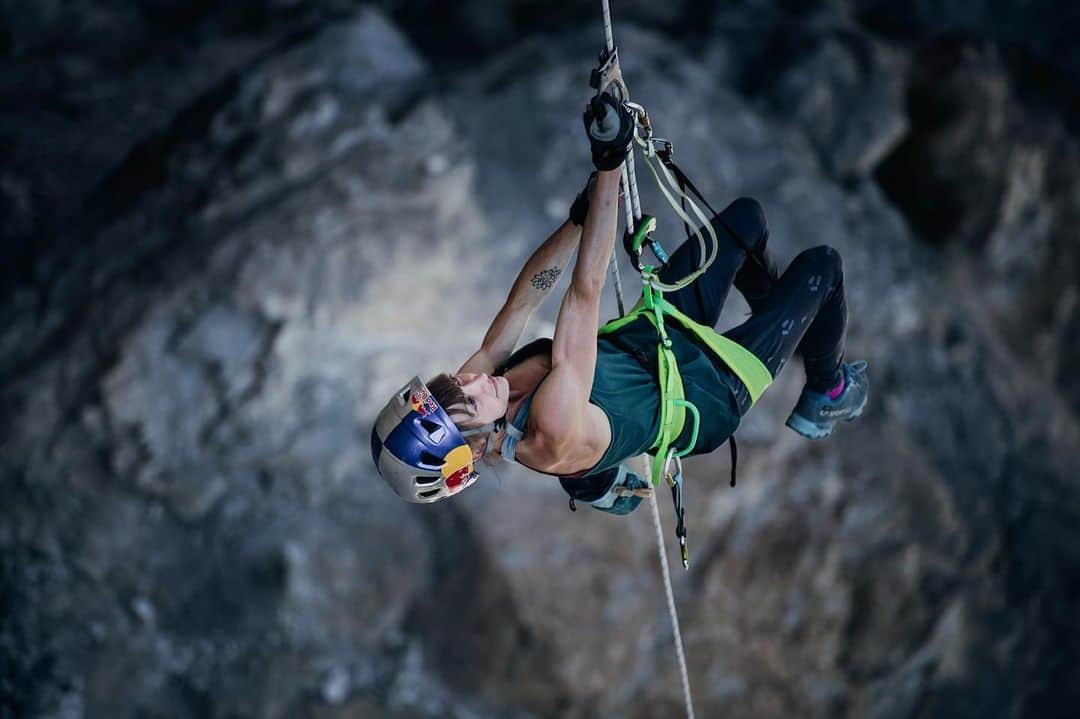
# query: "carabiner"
635 242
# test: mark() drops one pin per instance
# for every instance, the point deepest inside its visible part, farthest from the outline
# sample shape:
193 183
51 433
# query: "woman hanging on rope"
577 406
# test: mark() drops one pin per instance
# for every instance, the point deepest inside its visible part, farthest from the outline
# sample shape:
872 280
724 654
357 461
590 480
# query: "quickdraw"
675 482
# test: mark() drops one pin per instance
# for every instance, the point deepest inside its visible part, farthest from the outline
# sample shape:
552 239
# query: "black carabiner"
680 518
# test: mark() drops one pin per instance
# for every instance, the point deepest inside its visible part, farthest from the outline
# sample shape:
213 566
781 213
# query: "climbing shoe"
815 416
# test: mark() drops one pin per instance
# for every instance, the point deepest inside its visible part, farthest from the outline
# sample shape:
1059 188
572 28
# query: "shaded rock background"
229 232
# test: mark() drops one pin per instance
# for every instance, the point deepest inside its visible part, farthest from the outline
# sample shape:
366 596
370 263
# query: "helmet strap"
491 428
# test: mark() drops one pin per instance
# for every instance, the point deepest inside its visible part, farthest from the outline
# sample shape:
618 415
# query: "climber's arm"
533 285
560 417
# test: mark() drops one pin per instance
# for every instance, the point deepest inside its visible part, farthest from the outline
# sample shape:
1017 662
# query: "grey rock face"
986 172
192 526
847 94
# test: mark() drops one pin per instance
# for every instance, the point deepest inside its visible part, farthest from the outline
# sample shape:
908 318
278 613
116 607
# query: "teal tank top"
625 388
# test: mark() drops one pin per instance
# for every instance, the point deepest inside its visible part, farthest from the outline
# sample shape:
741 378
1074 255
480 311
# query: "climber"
578 406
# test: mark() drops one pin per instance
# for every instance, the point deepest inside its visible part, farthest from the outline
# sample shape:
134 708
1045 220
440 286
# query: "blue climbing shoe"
815 416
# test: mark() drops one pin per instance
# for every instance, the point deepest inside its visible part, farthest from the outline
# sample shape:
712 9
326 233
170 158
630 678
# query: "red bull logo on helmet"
455 480
457 468
422 401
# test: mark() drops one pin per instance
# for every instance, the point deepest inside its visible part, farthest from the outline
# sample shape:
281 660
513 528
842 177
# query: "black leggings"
801 311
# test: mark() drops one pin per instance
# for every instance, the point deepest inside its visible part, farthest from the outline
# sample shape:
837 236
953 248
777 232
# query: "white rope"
631 180
670 599
703 223
618 285
609 38
629 183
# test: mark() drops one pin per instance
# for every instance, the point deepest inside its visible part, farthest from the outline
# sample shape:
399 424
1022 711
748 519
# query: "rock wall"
230 233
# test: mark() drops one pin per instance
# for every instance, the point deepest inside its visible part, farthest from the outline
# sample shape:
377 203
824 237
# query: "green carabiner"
645 227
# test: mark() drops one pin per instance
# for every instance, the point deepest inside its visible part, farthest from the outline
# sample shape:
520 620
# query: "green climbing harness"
673 403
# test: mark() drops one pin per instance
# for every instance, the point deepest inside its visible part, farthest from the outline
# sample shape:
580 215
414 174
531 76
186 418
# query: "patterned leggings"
800 311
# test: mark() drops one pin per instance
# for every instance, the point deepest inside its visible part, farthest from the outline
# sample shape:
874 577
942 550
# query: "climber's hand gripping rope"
610 127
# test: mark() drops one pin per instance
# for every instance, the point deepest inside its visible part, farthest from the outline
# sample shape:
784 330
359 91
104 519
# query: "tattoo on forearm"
545 279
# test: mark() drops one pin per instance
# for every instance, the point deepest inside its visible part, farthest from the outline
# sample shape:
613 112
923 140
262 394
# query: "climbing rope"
671 604
633 218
